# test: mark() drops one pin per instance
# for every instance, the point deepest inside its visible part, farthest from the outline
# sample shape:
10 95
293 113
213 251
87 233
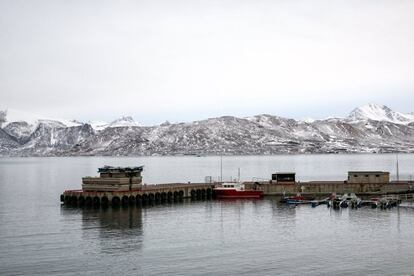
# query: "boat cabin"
226 185
284 178
232 186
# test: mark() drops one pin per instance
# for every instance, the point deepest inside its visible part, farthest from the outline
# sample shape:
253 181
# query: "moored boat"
297 199
345 200
236 190
316 202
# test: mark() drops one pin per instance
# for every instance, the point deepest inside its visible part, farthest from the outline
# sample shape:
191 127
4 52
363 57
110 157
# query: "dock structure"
358 182
148 194
118 186
329 187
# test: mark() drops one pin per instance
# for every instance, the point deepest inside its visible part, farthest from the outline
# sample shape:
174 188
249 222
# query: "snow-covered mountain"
370 128
377 112
14 116
124 121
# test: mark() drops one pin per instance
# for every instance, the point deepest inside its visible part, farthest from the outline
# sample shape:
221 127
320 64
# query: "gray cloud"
186 60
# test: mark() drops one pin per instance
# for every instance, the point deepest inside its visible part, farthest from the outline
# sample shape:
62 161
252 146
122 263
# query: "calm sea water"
38 236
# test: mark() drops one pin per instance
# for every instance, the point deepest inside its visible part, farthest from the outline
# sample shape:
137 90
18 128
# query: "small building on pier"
368 177
114 179
284 177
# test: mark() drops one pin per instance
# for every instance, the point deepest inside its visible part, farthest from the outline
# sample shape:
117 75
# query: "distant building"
368 177
285 177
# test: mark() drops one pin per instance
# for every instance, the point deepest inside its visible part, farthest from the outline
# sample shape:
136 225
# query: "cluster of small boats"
237 190
344 201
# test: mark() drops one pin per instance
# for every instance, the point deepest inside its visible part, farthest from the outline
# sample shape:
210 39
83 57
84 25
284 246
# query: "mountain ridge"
370 128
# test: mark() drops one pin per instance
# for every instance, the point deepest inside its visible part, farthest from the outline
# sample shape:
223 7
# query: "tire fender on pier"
138 200
145 199
157 197
74 200
88 201
96 201
81 200
67 200
131 200
104 201
125 200
116 201
209 193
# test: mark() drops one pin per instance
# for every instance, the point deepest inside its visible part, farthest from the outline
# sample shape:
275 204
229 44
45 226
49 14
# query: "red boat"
236 190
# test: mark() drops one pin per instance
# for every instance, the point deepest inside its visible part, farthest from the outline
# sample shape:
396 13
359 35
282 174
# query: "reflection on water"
118 230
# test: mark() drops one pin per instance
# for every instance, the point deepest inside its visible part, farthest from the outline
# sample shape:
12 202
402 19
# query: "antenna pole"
221 167
398 170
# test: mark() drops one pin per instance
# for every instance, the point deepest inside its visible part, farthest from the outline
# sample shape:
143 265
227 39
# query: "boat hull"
229 193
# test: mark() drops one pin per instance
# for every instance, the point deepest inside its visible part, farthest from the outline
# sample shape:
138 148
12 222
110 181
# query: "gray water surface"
38 236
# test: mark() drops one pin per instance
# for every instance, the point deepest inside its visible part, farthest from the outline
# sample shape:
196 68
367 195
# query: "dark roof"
120 169
367 172
285 173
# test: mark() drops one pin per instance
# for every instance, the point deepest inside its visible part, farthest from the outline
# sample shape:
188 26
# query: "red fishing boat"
236 190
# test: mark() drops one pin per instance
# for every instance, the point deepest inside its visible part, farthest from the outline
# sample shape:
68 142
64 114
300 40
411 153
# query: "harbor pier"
322 188
358 182
122 186
148 194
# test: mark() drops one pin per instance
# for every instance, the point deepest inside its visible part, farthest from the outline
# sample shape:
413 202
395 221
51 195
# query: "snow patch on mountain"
308 120
124 121
14 115
98 125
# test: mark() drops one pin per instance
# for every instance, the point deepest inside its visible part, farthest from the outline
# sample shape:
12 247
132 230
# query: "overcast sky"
189 60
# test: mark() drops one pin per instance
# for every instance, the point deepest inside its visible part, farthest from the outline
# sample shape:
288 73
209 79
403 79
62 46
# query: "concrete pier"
328 187
146 195
178 191
123 186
